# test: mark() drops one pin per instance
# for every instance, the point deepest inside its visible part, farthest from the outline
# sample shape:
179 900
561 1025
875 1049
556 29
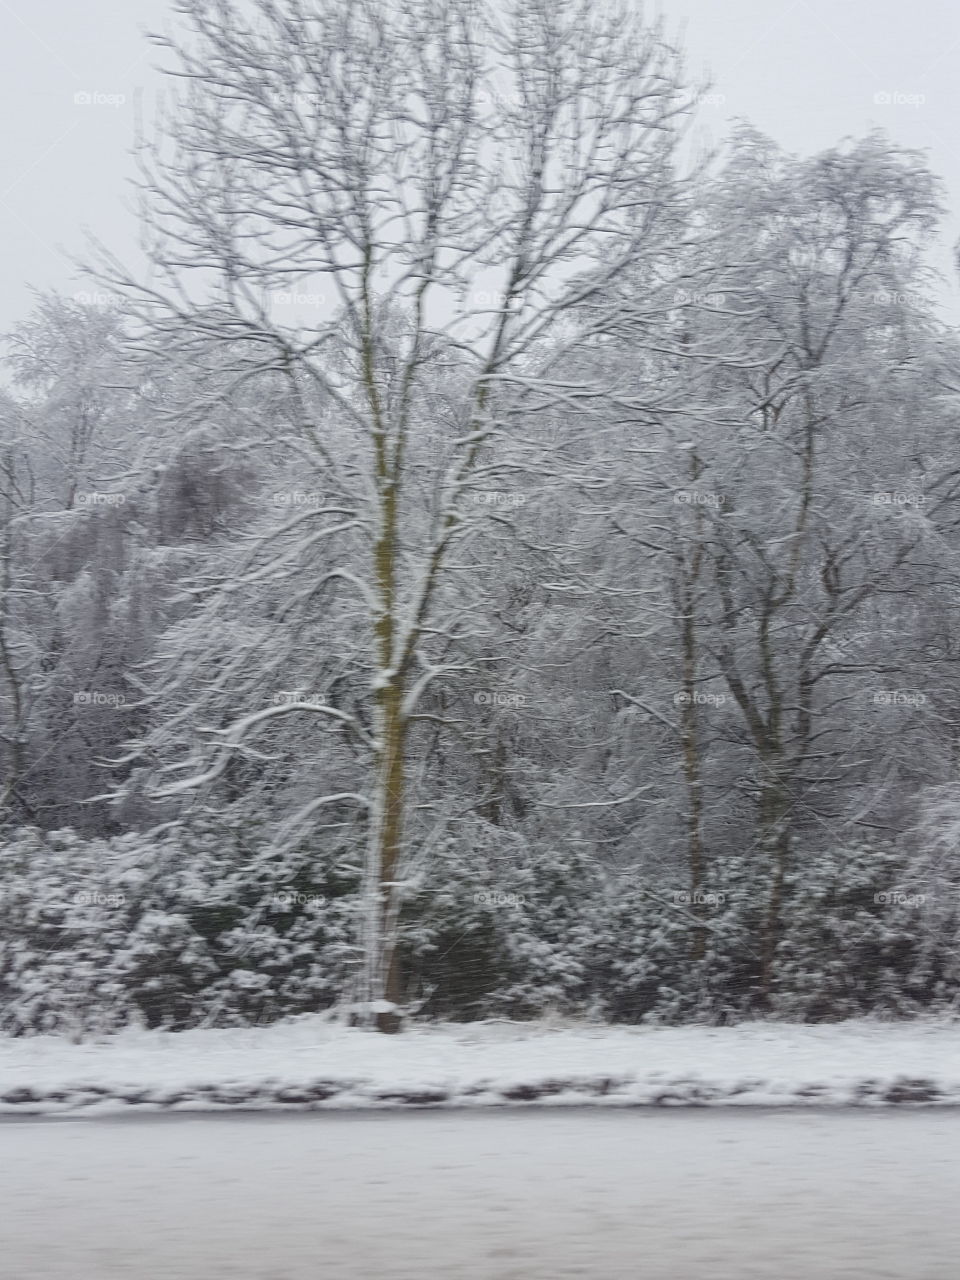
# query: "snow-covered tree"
393 210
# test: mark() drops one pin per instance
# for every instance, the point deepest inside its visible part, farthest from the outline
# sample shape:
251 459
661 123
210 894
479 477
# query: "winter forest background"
496 562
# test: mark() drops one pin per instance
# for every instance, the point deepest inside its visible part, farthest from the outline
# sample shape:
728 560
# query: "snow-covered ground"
311 1062
599 1195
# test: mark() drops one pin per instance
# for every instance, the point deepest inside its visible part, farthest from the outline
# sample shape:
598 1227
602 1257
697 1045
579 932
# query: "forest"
495 562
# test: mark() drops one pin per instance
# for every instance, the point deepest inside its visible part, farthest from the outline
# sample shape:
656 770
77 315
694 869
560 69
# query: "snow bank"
310 1063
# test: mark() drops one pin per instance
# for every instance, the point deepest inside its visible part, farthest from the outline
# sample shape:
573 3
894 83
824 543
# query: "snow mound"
309 1063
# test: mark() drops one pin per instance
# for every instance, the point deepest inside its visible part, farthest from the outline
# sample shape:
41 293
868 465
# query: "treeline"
587 643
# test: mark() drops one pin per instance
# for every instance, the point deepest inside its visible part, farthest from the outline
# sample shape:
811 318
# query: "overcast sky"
807 72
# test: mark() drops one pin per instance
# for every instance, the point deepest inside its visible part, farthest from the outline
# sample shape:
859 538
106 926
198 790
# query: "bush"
208 925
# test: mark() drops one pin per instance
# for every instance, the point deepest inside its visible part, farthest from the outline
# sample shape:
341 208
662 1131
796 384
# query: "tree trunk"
388 853
691 769
775 839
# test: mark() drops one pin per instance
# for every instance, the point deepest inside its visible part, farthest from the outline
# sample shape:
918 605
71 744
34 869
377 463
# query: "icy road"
497 1195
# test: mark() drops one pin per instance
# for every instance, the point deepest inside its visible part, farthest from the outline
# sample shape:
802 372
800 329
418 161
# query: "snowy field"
602 1195
311 1062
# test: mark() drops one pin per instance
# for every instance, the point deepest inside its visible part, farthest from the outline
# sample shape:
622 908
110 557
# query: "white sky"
807 72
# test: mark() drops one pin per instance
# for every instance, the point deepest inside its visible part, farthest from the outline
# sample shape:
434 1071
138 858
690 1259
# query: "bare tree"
436 185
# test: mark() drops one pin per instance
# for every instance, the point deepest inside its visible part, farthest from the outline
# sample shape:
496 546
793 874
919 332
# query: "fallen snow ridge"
310 1063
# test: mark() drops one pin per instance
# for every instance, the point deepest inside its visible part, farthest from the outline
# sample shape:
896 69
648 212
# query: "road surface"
484 1195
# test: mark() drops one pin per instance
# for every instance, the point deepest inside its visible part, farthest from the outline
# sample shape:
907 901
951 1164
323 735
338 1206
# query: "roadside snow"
311 1062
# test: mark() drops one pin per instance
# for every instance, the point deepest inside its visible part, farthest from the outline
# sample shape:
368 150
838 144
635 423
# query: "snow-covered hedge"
173 932
188 929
